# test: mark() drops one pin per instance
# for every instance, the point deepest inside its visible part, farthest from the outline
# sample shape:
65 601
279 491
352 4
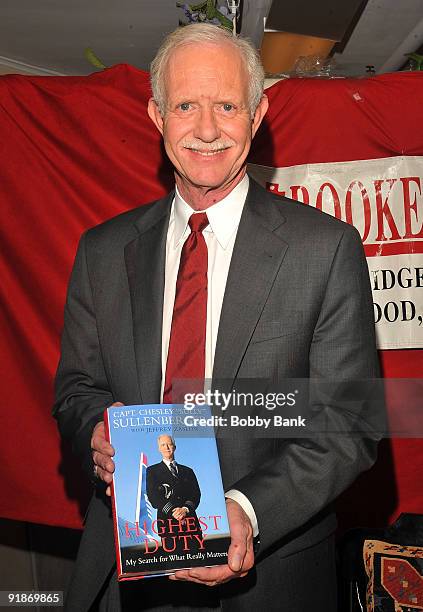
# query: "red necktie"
187 345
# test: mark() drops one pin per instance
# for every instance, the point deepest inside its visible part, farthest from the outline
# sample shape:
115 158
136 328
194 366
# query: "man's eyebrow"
181 99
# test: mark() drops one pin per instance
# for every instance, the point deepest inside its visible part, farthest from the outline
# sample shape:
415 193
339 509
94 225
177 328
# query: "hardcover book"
169 509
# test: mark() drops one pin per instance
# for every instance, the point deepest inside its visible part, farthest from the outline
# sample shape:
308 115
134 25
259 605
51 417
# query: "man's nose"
206 128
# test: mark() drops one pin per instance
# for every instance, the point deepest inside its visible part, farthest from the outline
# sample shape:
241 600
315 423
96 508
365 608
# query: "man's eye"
228 107
184 106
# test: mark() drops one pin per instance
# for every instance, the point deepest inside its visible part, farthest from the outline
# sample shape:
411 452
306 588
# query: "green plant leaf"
226 23
211 9
198 7
93 58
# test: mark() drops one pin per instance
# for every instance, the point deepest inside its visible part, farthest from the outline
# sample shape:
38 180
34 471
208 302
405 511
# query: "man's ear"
261 110
154 114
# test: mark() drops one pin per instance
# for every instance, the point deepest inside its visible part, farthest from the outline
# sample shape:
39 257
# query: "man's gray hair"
166 436
205 33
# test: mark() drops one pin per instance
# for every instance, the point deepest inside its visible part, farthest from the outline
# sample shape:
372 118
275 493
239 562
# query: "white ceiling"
386 31
52 34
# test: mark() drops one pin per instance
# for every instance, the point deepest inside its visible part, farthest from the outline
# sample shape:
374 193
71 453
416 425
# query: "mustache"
200 145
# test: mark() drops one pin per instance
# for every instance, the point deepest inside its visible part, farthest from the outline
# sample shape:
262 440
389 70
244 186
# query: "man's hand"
102 454
240 554
179 513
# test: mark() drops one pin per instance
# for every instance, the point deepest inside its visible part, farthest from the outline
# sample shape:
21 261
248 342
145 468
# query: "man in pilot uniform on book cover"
172 488
224 281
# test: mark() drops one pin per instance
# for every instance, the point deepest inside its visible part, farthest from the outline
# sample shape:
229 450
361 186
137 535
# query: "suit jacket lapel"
257 256
145 264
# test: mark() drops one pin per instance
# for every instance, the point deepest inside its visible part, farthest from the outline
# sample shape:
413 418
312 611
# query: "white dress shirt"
219 235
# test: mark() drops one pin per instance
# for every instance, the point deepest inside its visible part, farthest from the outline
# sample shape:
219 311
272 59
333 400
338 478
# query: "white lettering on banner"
383 199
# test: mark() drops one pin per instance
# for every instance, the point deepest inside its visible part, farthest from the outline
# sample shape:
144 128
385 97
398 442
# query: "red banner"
78 150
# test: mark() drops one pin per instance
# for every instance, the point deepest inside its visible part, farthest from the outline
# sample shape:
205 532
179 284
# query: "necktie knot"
198 222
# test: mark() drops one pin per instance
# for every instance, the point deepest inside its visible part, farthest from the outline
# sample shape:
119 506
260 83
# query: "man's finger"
103 462
241 533
99 442
102 446
209 576
102 453
104 475
236 555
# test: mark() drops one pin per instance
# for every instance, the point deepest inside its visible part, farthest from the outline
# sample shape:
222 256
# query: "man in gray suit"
278 307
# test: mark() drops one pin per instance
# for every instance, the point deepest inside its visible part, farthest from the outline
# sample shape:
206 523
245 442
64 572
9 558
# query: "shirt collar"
224 216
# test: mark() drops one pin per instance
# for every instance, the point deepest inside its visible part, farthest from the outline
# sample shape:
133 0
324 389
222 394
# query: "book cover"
169 509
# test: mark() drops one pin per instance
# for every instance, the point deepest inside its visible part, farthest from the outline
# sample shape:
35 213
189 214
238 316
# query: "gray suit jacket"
297 304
